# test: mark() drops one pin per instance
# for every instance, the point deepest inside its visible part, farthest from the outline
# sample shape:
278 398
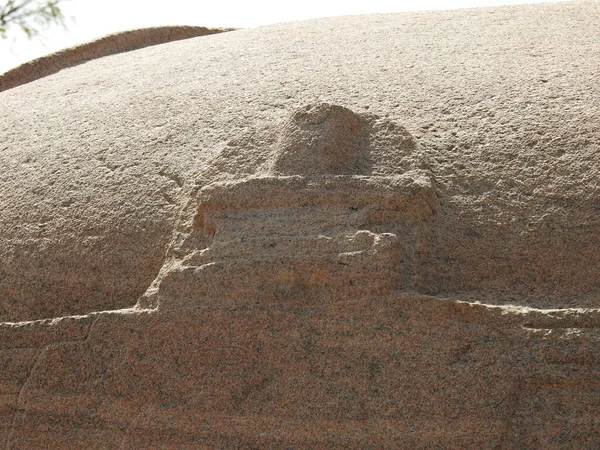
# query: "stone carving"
321 139
313 229
416 268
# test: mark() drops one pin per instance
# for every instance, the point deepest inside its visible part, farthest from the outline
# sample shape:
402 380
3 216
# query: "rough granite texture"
359 232
124 41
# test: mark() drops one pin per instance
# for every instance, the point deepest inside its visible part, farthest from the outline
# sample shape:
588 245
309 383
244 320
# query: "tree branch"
29 15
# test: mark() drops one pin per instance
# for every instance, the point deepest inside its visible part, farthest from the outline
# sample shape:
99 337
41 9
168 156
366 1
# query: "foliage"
30 16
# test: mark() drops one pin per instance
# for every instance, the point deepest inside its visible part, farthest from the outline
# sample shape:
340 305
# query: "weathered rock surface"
360 232
124 41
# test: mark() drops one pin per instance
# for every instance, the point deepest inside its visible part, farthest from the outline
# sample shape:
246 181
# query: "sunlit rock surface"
361 232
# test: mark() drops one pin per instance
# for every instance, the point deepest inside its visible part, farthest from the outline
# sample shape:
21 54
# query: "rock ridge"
124 41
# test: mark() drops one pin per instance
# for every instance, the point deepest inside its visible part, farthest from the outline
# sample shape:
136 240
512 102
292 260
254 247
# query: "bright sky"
90 19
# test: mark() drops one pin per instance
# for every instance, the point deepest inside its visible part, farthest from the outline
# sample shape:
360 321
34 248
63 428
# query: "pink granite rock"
109 45
359 232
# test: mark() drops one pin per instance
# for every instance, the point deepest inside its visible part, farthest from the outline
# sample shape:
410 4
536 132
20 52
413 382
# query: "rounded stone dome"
98 160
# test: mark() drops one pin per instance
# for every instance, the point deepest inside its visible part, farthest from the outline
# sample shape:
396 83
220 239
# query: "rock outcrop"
125 41
316 228
360 232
